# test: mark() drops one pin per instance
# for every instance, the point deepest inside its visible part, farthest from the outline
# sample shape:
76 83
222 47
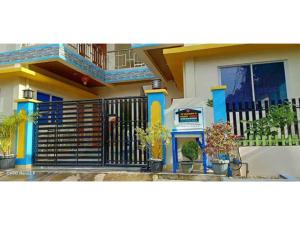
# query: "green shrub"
278 117
190 150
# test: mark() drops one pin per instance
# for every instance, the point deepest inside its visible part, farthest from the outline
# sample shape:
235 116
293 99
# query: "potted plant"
220 145
190 150
8 128
152 139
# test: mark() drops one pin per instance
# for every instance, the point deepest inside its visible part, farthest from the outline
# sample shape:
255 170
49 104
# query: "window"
254 82
56 111
238 81
269 81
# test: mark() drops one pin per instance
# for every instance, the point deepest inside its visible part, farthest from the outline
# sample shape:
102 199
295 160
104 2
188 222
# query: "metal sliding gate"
97 132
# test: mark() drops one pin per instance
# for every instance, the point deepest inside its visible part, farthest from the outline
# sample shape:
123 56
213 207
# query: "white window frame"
252 75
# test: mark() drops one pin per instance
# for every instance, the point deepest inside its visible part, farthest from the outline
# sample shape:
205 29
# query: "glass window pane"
57 113
269 81
238 81
43 118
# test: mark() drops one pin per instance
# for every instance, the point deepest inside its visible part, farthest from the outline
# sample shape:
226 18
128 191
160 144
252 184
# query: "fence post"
25 134
219 103
156 111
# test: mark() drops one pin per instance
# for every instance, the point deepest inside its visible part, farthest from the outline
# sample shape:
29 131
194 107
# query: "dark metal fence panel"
124 116
249 111
294 105
70 133
97 132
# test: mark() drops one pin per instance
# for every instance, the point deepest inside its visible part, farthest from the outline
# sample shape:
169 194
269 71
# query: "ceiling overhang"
20 71
152 55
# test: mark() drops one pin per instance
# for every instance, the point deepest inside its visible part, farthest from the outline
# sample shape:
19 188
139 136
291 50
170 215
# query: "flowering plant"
220 140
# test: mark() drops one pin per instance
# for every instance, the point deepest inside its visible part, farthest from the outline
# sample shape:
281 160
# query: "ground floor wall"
136 89
9 90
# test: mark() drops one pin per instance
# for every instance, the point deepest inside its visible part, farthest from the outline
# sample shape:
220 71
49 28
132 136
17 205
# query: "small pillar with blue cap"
25 134
219 103
219 107
156 111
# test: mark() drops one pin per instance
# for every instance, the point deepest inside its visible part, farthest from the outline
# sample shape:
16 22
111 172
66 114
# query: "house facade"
58 72
89 98
251 72
246 79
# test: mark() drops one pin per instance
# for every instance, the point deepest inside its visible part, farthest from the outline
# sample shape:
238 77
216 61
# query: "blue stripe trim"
99 73
30 60
144 45
128 70
26 49
131 74
148 77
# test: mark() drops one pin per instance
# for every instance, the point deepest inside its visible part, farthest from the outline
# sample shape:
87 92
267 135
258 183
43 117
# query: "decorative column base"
156 110
25 135
219 104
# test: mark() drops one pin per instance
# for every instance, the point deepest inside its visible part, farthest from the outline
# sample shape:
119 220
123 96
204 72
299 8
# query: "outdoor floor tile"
15 175
88 177
56 176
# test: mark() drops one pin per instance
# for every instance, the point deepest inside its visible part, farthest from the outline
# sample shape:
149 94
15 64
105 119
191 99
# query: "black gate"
90 133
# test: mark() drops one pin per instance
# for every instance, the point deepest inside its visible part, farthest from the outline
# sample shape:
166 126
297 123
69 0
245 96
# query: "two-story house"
58 72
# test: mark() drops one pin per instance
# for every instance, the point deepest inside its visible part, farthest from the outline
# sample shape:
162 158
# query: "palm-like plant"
8 128
152 138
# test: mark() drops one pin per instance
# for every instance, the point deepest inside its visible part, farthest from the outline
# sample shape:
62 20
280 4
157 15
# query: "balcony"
107 60
79 62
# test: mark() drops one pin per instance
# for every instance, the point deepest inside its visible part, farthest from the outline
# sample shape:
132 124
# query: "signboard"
189 118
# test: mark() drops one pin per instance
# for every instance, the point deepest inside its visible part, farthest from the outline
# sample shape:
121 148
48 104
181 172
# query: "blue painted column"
25 134
219 103
156 111
219 106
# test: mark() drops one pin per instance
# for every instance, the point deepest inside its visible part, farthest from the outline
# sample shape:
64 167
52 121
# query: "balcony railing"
121 59
108 60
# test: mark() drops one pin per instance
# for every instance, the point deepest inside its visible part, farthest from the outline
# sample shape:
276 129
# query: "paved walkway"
76 174
98 175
